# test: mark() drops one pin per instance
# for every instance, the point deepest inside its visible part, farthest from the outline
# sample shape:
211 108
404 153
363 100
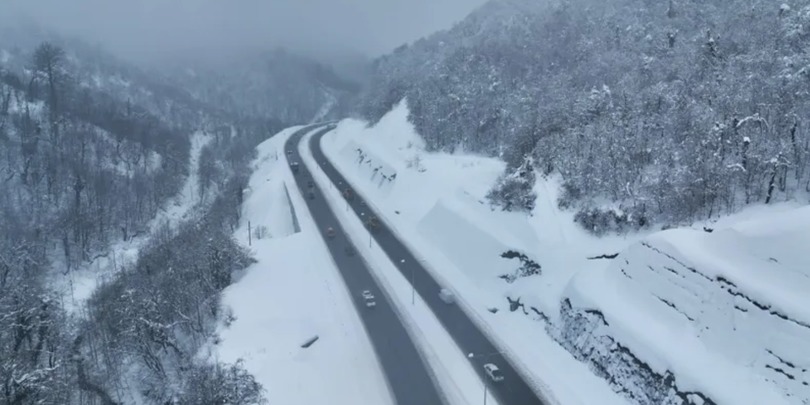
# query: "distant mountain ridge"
290 87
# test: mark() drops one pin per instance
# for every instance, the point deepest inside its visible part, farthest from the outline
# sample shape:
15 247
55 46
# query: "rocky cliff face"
585 334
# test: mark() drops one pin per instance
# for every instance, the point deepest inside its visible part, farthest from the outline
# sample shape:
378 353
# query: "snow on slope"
727 312
180 207
326 108
291 294
436 202
77 285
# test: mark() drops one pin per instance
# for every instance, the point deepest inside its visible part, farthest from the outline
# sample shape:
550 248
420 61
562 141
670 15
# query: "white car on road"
447 296
369 299
493 372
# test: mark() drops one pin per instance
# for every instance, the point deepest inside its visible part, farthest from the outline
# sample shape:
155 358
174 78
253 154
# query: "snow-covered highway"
514 389
409 378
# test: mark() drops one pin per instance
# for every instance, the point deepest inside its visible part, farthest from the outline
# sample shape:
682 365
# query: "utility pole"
250 241
413 286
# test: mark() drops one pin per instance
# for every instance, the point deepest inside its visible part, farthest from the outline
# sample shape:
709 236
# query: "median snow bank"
726 313
436 203
292 294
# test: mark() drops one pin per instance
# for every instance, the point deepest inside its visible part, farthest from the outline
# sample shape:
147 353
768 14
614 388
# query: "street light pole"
413 287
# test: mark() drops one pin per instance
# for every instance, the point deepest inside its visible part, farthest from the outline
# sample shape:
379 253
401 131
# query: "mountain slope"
722 315
292 88
90 150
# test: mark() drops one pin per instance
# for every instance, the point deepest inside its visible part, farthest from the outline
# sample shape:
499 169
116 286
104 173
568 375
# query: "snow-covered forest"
653 112
91 151
523 147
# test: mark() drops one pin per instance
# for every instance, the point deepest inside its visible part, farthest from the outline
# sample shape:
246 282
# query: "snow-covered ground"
290 295
437 204
180 207
326 108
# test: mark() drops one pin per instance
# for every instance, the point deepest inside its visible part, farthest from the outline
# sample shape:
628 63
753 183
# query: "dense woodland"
652 112
90 150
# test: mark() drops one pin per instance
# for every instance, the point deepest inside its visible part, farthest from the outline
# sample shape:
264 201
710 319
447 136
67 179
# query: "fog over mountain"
151 29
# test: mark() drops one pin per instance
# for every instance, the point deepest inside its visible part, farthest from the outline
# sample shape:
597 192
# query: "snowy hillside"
669 111
552 289
106 173
726 313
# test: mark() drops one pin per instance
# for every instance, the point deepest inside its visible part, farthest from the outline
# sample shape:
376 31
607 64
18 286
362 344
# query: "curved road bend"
409 378
513 390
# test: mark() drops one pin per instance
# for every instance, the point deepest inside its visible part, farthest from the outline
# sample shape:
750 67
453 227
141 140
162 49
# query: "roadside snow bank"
265 197
290 295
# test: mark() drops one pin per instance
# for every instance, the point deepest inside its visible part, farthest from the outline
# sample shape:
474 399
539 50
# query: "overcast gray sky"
150 28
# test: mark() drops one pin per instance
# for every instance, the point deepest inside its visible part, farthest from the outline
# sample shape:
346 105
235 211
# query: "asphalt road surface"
409 378
513 390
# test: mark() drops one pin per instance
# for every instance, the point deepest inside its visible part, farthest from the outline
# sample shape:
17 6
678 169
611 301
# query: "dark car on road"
373 223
